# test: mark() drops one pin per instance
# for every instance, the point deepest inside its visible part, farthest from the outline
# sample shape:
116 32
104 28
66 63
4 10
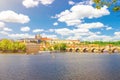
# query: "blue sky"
63 19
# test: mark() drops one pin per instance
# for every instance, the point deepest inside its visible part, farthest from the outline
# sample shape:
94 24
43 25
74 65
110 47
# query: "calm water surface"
62 66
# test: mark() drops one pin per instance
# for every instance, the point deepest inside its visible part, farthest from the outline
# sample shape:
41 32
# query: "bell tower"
38 36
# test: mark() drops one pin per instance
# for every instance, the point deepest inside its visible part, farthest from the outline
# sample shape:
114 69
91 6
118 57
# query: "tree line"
102 43
58 47
7 45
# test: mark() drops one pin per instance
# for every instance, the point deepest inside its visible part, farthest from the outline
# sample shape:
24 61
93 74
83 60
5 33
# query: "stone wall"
32 48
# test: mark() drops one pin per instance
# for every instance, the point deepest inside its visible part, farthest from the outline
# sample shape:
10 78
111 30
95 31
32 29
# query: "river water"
60 66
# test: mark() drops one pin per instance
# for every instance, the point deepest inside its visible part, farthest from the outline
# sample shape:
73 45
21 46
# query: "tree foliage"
103 43
63 46
110 3
8 45
58 46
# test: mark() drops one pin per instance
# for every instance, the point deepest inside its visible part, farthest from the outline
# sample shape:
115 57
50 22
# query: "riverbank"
57 52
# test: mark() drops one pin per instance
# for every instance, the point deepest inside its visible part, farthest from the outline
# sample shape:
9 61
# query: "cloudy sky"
63 19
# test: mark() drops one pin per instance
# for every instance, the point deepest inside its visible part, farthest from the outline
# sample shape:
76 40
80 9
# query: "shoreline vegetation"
14 47
9 46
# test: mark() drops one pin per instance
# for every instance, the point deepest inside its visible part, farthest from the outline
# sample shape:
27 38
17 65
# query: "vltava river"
60 66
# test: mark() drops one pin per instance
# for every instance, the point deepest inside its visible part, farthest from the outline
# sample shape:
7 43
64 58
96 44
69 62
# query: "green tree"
63 46
110 3
22 47
5 44
56 46
0 46
12 46
50 48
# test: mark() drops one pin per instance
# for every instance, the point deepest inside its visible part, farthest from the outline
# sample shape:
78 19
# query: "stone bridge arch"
77 50
93 50
115 50
85 50
102 50
70 50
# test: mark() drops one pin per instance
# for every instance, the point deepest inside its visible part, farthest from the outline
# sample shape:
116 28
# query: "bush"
11 46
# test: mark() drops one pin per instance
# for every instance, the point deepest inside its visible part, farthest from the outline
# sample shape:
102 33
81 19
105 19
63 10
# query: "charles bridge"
34 48
93 49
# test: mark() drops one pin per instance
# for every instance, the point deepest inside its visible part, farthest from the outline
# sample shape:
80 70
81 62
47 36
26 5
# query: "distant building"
55 41
38 39
33 44
38 36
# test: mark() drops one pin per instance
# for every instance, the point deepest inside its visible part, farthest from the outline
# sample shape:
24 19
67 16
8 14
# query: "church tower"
38 36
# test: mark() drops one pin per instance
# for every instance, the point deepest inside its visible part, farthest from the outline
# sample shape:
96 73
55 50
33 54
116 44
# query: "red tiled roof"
45 39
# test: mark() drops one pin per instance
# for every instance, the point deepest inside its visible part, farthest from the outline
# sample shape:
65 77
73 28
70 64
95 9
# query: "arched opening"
85 50
103 50
93 50
77 50
115 50
70 50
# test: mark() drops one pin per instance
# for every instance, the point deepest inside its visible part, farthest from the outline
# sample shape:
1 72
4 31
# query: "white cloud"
116 37
97 37
38 30
82 2
55 24
4 28
108 28
7 29
91 25
26 35
91 36
46 2
30 3
63 31
71 2
49 36
2 25
81 34
86 35
69 32
4 33
73 22
33 3
98 32
74 38
76 15
11 16
88 11
117 33
81 30
78 12
86 2
25 29
51 30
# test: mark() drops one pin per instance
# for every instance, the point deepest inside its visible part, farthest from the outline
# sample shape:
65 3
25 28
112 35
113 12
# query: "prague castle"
38 39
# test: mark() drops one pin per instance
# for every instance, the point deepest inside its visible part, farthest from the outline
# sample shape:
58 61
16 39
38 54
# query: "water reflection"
53 55
60 66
